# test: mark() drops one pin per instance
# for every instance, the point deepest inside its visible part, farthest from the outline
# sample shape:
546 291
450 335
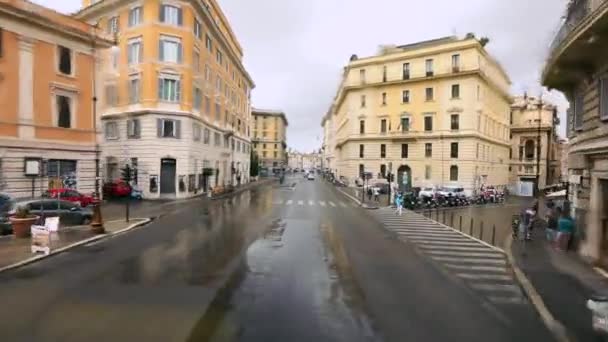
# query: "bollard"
460 224
471 227
481 231
493 235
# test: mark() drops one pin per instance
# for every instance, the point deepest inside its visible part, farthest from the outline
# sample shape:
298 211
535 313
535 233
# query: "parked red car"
71 195
117 189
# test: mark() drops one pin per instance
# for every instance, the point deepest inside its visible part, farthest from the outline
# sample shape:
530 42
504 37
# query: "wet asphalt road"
249 269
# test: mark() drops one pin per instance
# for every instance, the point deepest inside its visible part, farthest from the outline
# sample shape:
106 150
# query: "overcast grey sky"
295 49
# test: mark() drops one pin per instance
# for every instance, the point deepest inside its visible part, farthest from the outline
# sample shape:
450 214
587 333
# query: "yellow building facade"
175 96
437 112
270 137
47 121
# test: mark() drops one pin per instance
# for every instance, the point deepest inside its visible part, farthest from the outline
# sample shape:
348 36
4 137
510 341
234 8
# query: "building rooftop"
270 112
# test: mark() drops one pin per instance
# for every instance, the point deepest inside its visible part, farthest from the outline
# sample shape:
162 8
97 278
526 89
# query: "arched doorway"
404 178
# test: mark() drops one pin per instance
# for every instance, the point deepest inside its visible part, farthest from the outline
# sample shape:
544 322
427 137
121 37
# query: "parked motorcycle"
598 304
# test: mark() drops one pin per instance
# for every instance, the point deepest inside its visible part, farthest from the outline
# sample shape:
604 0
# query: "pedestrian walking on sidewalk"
369 194
376 194
526 225
565 228
552 217
399 204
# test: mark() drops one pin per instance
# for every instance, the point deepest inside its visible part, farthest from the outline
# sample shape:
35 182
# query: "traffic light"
126 173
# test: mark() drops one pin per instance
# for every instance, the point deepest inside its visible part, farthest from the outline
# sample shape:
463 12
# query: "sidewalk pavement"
370 203
563 281
16 252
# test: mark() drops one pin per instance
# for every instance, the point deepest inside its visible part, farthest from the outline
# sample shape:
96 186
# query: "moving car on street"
311 176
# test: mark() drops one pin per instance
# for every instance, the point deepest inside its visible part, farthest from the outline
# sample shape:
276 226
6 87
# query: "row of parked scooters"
415 201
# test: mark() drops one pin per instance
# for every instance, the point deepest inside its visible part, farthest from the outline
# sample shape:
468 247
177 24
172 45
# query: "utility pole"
538 149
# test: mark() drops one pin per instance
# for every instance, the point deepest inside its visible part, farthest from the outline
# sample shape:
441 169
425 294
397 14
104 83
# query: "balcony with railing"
577 47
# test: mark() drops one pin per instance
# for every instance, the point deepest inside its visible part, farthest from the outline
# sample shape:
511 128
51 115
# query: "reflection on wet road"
293 285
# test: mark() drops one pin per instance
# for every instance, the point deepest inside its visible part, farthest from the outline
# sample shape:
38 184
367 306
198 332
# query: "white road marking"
470 261
289 202
413 229
440 239
495 287
311 203
466 254
322 203
332 204
478 276
455 248
507 300
477 268
430 234
459 243
300 202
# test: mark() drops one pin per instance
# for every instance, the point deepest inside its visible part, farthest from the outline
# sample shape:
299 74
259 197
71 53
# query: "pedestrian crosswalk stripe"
311 203
322 203
455 248
496 287
470 260
466 254
478 268
289 202
414 229
423 233
300 202
438 239
457 243
332 204
477 276
507 300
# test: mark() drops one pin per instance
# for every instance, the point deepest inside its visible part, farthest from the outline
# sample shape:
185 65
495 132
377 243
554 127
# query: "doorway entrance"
603 220
167 176
404 178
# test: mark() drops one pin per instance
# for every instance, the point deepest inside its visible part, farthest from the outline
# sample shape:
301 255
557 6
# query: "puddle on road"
294 284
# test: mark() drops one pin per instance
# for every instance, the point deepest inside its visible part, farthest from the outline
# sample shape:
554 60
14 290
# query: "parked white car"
427 192
311 176
454 191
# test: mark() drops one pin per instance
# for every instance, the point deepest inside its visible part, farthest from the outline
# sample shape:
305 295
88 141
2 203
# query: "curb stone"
555 327
75 244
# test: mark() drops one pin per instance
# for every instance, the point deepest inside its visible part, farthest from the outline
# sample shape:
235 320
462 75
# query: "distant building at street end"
270 138
577 65
533 122
328 143
304 161
174 96
47 81
436 111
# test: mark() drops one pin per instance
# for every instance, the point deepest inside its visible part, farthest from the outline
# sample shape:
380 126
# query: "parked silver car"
69 213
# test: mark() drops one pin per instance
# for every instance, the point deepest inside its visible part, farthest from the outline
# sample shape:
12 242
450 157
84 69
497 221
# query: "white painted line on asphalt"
343 205
289 202
495 287
427 233
322 203
470 260
477 276
300 202
332 204
454 248
496 269
459 243
311 203
439 239
507 300
466 254
416 229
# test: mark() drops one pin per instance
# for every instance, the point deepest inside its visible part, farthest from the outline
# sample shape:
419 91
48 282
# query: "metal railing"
576 12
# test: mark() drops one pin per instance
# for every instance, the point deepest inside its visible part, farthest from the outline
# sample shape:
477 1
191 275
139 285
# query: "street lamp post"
97 219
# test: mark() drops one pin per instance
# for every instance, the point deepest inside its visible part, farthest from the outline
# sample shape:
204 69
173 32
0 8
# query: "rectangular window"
208 43
111 131
405 124
111 95
133 129
207 105
455 122
404 150
135 16
454 150
427 172
196 132
428 123
429 94
168 128
604 98
218 112
406 71
217 139
113 25
383 126
384 99
361 151
134 90
453 173
383 170
198 30
361 170
169 88
406 96
428 150
134 51
456 63
171 15
384 73
65 60
429 67
219 57
382 151
362 101
196 60
579 100
64 111
362 127
206 136
455 91
362 76
60 168
198 98
170 49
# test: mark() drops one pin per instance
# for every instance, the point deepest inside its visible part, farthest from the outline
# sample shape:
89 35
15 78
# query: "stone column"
26 88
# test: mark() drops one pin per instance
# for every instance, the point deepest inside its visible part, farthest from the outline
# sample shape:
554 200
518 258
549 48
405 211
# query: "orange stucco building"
47 68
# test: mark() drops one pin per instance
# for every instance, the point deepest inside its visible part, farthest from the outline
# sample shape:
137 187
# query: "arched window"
453 173
529 149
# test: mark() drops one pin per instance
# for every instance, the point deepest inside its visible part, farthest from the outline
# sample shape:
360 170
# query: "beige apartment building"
270 138
533 131
436 111
328 144
577 66
174 96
